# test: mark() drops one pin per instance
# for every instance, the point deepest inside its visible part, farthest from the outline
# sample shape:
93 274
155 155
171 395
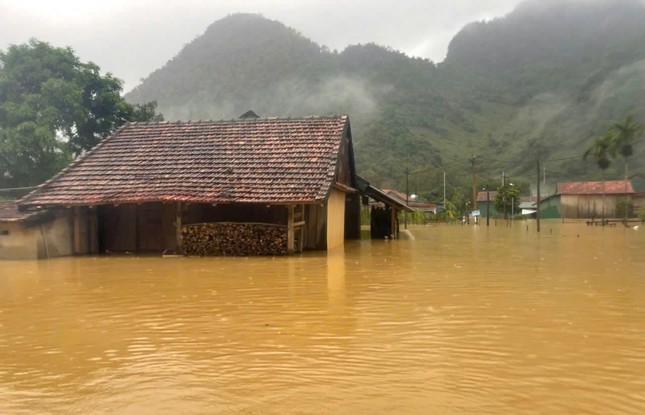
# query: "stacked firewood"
234 239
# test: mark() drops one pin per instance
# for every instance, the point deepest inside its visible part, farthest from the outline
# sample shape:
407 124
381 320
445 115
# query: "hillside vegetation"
543 81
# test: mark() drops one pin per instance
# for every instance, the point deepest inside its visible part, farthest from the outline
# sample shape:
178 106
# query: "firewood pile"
234 239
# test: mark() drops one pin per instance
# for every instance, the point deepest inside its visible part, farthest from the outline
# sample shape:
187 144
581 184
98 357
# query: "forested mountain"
542 81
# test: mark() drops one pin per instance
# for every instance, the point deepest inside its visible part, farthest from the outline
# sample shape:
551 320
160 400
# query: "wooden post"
93 231
136 228
393 228
180 249
290 229
77 230
538 195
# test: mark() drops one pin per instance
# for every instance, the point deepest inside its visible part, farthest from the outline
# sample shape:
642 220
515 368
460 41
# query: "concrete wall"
47 240
18 242
58 235
335 219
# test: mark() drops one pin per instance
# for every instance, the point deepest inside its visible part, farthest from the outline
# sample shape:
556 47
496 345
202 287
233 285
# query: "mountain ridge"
531 94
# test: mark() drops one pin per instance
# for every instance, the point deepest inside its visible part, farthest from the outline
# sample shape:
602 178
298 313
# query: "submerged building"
252 186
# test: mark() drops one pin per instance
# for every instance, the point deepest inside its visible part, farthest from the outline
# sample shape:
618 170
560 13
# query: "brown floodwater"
457 320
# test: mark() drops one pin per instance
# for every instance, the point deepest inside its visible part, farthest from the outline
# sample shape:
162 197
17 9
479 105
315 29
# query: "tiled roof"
9 212
265 160
595 188
481 195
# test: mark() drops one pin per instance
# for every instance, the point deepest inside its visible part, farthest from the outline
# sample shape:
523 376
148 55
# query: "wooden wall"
315 227
148 227
353 216
588 206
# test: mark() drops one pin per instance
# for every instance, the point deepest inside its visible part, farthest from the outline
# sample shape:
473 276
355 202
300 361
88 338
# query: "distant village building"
427 208
384 210
250 186
585 200
485 204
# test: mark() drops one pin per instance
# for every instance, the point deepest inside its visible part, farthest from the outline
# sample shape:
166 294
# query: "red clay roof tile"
9 212
244 161
595 188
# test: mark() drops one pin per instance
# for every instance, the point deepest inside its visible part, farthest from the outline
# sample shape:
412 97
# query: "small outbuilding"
32 234
384 210
252 186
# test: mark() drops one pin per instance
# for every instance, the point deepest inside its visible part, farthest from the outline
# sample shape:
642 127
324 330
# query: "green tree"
623 136
53 107
599 151
507 199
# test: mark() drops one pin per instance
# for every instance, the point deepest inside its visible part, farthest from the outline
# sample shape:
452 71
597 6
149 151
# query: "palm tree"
599 151
623 136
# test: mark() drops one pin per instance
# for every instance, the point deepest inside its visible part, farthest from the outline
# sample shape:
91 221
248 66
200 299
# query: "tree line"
53 108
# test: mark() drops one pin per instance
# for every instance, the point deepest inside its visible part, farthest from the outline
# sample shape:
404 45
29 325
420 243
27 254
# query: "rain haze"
132 38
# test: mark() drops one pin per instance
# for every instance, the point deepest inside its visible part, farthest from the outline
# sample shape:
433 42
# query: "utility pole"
473 161
504 194
487 206
407 192
538 195
444 190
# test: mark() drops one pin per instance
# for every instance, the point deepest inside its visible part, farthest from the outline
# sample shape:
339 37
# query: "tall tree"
623 136
54 107
507 199
599 151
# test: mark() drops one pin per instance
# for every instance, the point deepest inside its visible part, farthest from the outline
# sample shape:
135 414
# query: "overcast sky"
131 38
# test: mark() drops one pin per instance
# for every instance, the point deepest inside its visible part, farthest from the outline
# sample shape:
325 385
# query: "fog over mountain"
542 81
131 38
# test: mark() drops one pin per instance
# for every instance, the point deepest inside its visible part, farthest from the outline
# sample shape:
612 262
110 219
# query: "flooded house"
485 203
251 186
578 200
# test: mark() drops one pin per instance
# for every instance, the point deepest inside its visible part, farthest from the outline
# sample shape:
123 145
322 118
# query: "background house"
485 203
240 187
576 200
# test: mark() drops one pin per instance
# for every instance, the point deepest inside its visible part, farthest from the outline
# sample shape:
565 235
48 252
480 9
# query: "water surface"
458 320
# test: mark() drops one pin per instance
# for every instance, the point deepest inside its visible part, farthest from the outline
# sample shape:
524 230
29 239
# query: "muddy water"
459 320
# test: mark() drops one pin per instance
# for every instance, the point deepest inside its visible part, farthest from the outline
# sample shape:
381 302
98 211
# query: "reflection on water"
462 319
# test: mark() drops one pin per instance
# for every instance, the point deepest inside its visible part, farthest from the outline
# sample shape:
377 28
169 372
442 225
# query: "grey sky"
131 38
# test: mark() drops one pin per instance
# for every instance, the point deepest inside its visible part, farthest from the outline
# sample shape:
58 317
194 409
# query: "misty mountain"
543 80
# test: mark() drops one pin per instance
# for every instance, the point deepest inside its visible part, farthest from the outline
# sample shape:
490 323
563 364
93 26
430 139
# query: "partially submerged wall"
20 240
335 219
